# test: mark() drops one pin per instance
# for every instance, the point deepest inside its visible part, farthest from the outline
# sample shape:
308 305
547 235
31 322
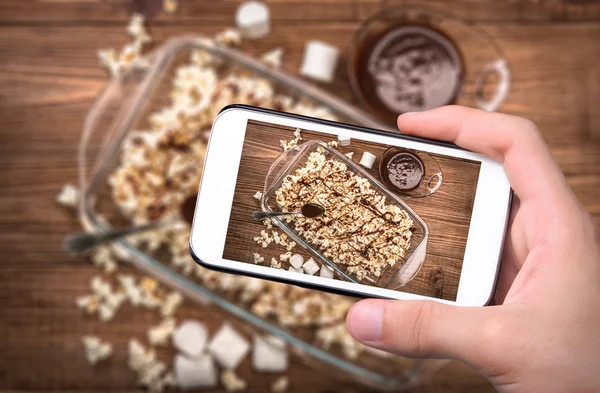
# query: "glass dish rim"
302 149
158 59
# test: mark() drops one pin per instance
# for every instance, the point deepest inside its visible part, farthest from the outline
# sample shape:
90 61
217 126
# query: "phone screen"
401 224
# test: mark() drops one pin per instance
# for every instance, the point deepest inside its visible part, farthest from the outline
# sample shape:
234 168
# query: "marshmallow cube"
320 61
253 20
195 373
326 272
269 355
344 140
190 338
292 269
310 267
229 347
296 261
367 160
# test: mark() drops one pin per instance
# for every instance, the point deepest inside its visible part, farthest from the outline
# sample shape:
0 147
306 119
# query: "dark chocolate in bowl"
401 170
407 68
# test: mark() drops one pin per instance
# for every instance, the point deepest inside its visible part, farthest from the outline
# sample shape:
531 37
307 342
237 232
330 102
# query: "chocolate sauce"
188 207
404 171
407 68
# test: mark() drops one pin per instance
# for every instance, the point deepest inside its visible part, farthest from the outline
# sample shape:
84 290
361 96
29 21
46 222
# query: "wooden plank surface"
49 78
447 212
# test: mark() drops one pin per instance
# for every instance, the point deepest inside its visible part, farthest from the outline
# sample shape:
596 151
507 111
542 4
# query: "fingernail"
366 320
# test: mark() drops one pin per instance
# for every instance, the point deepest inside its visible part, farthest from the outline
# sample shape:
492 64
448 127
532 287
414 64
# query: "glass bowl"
391 277
124 107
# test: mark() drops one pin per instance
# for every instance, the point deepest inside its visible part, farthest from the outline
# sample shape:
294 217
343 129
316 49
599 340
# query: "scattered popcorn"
132 292
287 145
232 382
228 347
367 160
191 338
280 385
160 334
68 196
95 349
291 246
298 134
257 258
292 269
170 6
258 195
333 144
103 258
349 154
320 61
326 272
310 267
253 20
269 355
273 58
344 140
285 257
275 263
195 373
229 37
170 304
296 261
137 30
150 371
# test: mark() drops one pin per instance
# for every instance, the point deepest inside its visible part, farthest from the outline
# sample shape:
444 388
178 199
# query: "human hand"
544 334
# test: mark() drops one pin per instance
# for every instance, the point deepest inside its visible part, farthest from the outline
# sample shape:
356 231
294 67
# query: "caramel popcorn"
359 229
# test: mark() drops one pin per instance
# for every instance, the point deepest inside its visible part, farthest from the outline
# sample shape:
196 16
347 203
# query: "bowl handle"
499 67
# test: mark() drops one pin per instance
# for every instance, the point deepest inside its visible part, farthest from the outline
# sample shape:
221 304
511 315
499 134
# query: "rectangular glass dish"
124 111
391 277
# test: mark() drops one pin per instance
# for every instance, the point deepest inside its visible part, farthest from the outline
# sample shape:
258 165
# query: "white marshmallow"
291 269
326 272
195 373
269 355
367 160
310 267
320 61
252 18
229 347
296 261
190 338
344 140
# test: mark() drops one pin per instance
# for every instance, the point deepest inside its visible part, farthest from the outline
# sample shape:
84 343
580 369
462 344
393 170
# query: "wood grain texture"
447 212
49 78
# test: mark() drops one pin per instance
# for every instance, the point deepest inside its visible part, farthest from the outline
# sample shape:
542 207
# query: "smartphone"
371 213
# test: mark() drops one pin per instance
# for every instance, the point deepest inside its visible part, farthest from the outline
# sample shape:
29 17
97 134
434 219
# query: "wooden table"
49 78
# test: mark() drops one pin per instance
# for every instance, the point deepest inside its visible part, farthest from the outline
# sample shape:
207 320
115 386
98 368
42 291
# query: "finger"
417 328
511 140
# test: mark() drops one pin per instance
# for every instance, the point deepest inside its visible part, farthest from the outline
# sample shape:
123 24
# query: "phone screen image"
401 224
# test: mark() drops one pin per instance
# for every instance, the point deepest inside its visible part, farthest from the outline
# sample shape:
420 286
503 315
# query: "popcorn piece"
88 303
269 355
159 335
190 338
320 61
228 347
292 269
291 246
273 58
229 37
132 292
275 263
258 258
95 349
139 357
344 140
170 6
298 134
296 261
102 257
109 60
349 154
258 195
172 301
68 196
326 272
310 267
367 160
195 373
137 30
280 385
333 144
252 18
287 145
232 382
285 257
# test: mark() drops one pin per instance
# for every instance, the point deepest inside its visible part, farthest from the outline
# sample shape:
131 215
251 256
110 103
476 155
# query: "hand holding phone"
544 334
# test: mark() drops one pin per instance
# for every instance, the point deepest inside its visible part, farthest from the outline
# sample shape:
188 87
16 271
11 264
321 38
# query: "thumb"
419 328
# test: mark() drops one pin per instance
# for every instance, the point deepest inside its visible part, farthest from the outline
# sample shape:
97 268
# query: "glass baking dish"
391 277
122 108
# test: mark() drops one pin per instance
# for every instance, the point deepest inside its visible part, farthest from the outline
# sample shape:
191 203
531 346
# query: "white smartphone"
370 213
